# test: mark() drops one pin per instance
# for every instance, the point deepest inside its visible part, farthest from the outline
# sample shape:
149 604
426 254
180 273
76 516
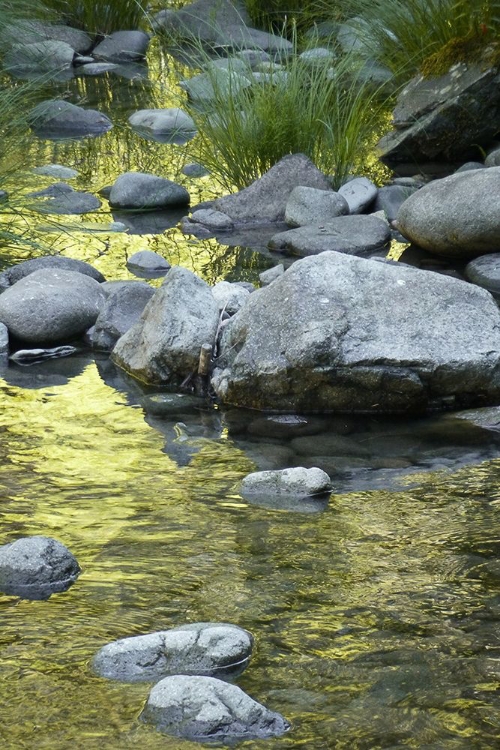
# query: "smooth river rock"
51 306
312 206
164 346
297 481
204 708
139 190
355 235
35 567
340 333
13 274
57 118
455 216
202 648
121 310
122 47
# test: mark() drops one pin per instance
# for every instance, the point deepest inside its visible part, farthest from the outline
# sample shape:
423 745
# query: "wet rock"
33 356
285 426
312 206
13 274
194 170
164 346
139 190
56 170
203 648
359 194
121 310
217 83
97 69
61 198
267 456
298 481
51 306
60 119
355 235
341 333
148 260
30 32
35 567
485 271
122 47
267 277
265 199
149 222
164 125
455 216
40 58
172 404
199 708
230 297
328 444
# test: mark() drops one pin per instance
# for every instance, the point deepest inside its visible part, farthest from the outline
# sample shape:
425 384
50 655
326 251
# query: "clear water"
376 618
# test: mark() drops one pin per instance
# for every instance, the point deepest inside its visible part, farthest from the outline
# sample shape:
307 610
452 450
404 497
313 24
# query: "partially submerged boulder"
169 125
61 198
35 567
297 481
13 274
121 310
27 32
140 190
265 199
51 306
122 47
204 708
39 58
340 333
57 118
355 235
202 648
456 216
164 346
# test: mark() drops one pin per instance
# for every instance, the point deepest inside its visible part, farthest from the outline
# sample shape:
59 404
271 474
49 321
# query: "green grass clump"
98 17
330 115
403 34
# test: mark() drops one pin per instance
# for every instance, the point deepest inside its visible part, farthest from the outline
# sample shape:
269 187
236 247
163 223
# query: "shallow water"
376 616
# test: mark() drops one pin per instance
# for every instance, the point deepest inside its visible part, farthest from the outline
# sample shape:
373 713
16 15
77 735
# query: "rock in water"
340 333
202 648
13 274
204 708
164 346
297 482
56 119
35 567
140 190
455 216
121 310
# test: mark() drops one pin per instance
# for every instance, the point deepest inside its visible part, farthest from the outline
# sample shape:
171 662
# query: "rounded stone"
35 567
202 648
140 190
15 273
485 271
297 482
312 206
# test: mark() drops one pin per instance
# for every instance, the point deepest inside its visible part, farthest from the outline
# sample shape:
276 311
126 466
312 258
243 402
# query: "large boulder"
169 125
51 306
57 118
297 481
455 216
40 58
340 333
202 648
446 116
140 190
35 567
265 199
122 47
307 205
29 32
164 346
204 708
13 274
356 235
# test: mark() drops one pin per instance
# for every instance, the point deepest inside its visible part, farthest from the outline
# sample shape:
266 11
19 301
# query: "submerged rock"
61 198
35 567
56 170
265 199
51 306
33 356
204 708
340 333
202 648
139 190
455 216
15 273
57 118
164 346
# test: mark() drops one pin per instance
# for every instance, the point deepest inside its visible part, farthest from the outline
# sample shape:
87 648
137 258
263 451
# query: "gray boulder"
213 84
203 648
121 310
61 198
4 340
296 482
359 194
35 567
13 274
162 124
140 190
199 708
267 277
51 306
390 198
444 117
149 261
265 199
40 58
164 346
340 333
485 271
122 47
25 32
356 235
214 220
96 69
230 297
455 216
307 205
57 118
